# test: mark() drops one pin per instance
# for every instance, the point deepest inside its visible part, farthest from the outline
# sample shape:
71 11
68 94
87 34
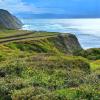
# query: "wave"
84 26
86 30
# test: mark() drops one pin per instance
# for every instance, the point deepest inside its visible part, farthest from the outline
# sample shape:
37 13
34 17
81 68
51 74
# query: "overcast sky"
52 6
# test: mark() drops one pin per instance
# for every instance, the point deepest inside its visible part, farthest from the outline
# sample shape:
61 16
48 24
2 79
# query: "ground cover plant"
43 69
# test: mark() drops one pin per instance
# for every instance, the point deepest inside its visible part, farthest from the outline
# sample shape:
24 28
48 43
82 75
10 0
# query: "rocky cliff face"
68 43
9 21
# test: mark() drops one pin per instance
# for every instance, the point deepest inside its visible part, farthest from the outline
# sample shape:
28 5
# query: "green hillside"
46 66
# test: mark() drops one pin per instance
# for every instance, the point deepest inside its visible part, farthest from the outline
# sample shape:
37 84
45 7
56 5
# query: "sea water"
86 30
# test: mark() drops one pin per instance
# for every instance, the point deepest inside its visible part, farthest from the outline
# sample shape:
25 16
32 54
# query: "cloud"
16 6
71 7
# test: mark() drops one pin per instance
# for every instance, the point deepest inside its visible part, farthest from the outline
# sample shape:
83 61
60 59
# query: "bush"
89 92
92 54
28 93
12 67
60 61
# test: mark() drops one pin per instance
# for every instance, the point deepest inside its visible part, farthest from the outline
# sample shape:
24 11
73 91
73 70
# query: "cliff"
46 42
9 21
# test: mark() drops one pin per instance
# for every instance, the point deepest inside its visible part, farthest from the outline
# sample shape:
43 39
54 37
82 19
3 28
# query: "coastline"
88 35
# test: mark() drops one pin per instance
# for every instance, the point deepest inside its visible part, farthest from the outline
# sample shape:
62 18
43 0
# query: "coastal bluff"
45 42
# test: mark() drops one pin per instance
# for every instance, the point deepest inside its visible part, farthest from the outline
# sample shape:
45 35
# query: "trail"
25 36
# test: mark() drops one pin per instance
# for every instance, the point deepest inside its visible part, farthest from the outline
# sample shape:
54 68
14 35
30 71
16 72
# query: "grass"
95 65
43 69
91 54
4 33
8 32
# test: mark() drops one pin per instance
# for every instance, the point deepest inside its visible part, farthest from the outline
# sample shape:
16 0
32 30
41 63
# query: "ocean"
86 30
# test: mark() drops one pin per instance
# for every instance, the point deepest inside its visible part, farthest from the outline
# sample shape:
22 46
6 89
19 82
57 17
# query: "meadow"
36 66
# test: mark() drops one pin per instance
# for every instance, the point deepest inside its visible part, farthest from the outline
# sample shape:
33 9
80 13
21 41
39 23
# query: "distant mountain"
9 21
46 15
50 15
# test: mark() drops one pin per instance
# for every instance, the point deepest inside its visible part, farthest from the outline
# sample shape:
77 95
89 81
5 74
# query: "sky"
69 7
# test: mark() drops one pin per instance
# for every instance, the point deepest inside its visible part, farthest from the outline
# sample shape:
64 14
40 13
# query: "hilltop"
66 43
46 66
7 20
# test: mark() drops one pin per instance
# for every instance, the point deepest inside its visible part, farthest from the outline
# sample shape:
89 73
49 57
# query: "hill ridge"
9 21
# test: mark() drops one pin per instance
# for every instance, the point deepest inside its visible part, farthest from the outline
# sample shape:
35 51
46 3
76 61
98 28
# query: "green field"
36 66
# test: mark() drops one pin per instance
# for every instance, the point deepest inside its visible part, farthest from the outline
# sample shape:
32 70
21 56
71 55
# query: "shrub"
27 93
89 92
54 62
12 67
92 54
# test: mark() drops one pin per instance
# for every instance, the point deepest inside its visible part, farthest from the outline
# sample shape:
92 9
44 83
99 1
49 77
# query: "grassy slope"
48 74
93 55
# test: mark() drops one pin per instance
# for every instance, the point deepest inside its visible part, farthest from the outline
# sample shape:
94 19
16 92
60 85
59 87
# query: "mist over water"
87 30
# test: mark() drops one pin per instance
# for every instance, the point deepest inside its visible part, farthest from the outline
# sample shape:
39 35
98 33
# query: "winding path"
24 36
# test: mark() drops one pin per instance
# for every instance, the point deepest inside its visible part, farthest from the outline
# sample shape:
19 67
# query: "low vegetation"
91 54
42 69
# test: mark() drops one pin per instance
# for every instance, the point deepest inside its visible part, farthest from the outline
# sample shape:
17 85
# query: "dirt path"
21 37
